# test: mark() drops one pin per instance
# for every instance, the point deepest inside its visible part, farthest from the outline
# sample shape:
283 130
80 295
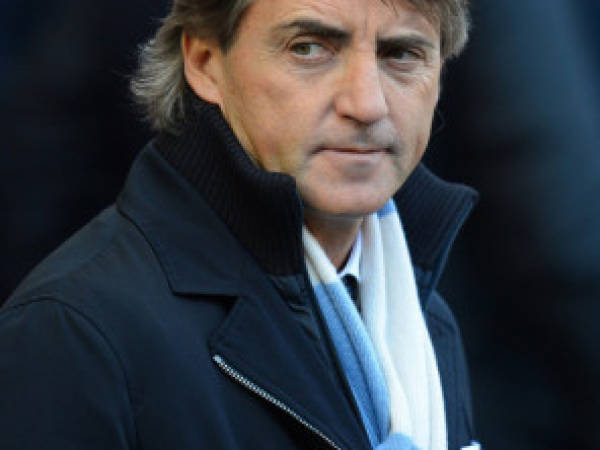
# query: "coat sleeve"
61 384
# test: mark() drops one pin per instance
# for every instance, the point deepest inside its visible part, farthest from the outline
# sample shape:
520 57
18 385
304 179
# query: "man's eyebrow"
408 41
315 28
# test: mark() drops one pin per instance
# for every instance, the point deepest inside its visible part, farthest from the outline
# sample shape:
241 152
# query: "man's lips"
356 150
354 158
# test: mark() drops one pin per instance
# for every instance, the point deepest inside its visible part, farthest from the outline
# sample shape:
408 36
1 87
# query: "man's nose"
360 94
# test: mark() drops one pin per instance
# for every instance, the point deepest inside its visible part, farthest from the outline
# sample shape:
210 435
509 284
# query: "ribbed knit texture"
429 229
247 198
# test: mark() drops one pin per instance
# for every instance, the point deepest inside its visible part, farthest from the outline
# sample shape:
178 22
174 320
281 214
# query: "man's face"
339 94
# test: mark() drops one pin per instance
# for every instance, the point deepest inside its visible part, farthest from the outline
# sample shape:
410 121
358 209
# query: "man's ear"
202 66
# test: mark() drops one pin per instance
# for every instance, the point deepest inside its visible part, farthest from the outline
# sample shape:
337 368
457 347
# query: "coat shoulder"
107 256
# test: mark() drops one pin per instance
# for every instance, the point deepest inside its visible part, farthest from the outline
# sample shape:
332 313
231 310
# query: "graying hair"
159 83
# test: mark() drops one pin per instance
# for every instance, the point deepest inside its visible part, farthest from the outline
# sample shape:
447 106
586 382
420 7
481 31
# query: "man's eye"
401 55
307 49
403 59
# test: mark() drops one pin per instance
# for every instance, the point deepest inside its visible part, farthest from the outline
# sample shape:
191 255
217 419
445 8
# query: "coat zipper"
245 382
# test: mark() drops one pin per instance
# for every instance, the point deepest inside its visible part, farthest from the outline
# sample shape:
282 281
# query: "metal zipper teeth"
241 379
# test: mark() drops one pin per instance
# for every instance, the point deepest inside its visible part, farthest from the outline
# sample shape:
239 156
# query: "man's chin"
351 209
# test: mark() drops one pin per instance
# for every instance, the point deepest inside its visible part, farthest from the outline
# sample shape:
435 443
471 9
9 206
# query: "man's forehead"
381 17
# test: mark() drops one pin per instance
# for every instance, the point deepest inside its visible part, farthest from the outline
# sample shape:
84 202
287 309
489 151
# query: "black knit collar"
264 211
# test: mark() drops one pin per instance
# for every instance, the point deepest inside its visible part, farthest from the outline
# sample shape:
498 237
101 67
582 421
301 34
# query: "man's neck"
336 235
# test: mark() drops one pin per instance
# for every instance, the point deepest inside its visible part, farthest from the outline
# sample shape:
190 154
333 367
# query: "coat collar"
183 231
218 226
198 198
268 341
433 211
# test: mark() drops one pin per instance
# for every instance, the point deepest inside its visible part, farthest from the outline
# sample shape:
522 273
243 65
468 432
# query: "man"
205 309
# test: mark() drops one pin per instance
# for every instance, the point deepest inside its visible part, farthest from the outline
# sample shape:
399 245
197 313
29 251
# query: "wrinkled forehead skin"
431 10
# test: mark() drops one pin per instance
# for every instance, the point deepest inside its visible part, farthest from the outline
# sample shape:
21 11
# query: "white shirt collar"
352 266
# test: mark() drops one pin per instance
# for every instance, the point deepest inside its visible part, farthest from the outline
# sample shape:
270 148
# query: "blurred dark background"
521 112
520 121
69 130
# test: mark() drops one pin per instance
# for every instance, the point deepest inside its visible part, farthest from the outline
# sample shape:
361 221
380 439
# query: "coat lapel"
264 338
263 341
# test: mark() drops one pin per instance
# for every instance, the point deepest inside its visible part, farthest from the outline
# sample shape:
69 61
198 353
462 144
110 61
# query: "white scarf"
393 322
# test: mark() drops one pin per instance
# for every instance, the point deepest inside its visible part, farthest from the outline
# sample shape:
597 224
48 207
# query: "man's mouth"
357 150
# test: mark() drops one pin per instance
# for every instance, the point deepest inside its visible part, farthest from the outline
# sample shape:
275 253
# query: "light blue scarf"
386 353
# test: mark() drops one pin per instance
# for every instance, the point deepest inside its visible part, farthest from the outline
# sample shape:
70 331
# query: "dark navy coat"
159 326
